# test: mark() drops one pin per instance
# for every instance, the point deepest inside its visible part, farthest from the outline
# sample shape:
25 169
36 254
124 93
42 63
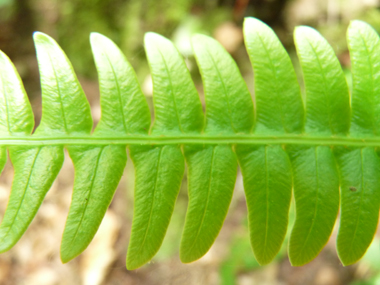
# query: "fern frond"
325 151
360 166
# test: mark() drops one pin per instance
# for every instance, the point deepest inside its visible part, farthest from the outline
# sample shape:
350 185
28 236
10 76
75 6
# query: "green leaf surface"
177 107
316 192
229 106
364 45
211 176
316 180
327 98
159 172
278 98
209 143
266 169
268 188
359 168
98 170
66 111
360 200
212 169
16 116
97 173
121 97
65 108
35 170
35 167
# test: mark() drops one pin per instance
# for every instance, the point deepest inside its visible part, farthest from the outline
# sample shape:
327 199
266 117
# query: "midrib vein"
60 99
119 95
252 139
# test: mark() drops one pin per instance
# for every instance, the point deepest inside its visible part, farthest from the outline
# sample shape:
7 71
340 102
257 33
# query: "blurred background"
35 258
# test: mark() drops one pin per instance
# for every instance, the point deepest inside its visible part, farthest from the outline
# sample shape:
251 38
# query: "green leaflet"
267 183
360 185
364 45
212 175
16 113
121 98
97 173
66 111
35 172
316 191
35 167
159 170
229 106
209 144
359 168
99 169
64 105
327 98
316 181
278 98
177 107
266 169
212 169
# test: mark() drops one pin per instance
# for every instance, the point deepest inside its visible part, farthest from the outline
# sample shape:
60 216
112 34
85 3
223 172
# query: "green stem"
190 139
